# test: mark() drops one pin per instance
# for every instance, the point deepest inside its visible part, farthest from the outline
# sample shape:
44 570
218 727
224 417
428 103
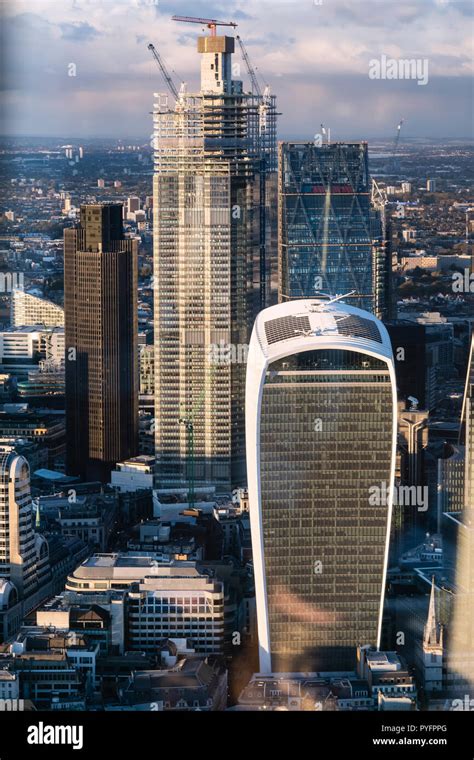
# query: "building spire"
433 631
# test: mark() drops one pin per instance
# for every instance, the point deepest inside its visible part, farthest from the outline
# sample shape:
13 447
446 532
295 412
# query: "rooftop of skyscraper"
333 321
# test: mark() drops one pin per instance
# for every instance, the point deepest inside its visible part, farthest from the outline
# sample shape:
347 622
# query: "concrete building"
17 536
386 674
460 649
51 665
28 309
45 429
133 474
321 429
25 346
193 684
214 152
177 601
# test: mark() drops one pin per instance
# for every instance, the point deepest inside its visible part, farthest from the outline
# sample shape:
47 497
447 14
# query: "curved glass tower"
321 437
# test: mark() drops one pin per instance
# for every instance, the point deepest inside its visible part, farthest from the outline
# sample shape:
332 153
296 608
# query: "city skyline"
237 363
319 68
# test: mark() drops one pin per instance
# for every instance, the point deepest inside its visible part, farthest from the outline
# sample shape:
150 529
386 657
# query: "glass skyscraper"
321 436
331 237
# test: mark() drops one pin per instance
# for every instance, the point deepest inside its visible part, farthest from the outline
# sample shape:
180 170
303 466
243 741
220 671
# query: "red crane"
211 23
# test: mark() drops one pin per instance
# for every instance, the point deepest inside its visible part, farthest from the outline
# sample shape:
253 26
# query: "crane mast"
250 69
164 71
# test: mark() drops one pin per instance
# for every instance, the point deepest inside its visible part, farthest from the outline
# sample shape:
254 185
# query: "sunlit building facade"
321 436
460 645
331 237
211 161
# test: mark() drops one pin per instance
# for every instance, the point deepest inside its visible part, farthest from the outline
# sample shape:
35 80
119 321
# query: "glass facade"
331 239
325 440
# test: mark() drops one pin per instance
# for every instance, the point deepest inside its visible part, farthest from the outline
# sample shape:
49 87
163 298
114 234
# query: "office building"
177 601
134 474
331 239
17 536
45 429
23 347
211 159
100 278
28 309
321 438
460 667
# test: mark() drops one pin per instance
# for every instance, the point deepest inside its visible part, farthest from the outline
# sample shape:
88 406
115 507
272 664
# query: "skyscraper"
321 434
331 238
100 294
460 649
209 215
17 536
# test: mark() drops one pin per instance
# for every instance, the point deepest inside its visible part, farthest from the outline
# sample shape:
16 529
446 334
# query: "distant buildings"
27 309
321 433
331 239
100 277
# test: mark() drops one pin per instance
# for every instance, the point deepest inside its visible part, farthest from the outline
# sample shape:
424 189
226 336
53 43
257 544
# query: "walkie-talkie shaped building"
321 436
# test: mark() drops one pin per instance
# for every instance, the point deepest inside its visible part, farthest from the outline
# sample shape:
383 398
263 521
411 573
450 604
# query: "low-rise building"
193 684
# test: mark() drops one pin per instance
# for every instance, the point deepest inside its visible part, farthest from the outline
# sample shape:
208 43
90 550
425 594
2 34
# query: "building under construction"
215 156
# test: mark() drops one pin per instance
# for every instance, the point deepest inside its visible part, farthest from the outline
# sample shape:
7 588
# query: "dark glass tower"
331 238
100 291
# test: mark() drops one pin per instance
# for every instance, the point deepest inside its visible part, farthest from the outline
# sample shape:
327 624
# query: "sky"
315 55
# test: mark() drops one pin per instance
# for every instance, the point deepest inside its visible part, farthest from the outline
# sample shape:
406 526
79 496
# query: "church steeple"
433 636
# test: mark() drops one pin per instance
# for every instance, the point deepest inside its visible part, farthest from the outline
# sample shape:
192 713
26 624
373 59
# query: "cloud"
79 32
315 57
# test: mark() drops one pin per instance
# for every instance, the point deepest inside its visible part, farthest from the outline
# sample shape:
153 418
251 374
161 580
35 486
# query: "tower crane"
393 162
250 69
211 23
164 71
